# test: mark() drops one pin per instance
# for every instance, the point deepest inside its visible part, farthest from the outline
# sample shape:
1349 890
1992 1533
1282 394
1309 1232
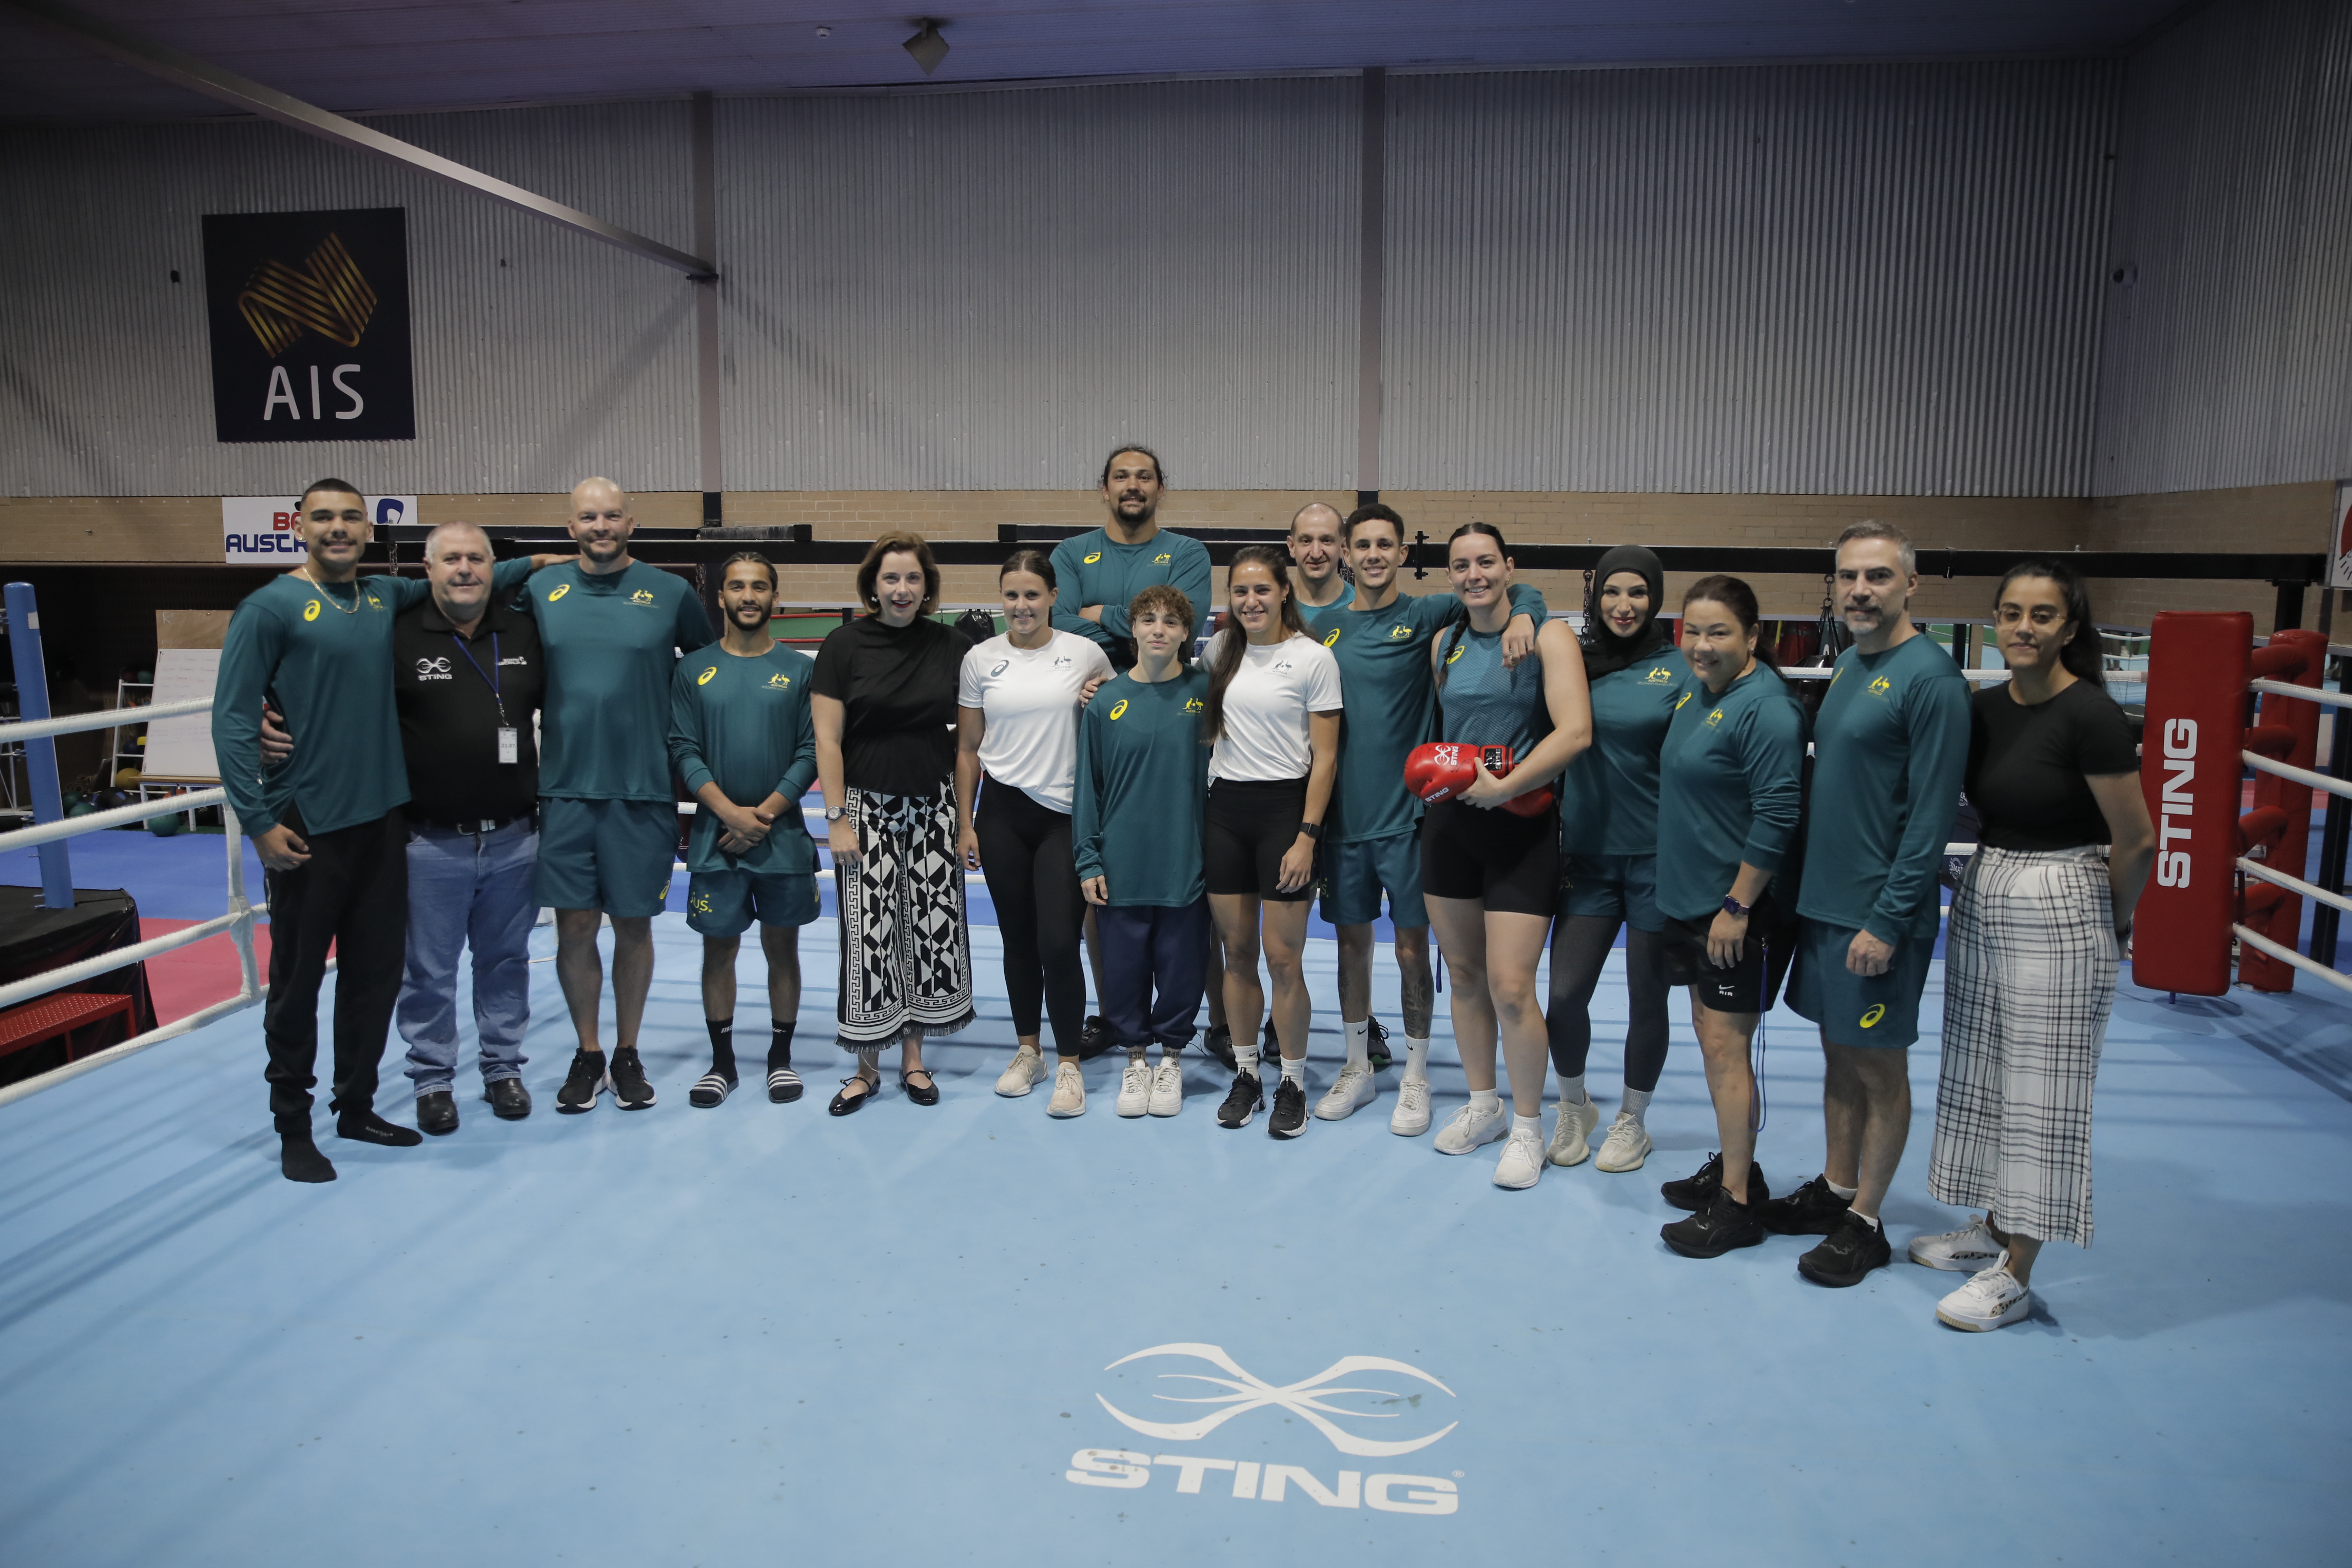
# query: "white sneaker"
1410 1116
1993 1299
1569 1145
1134 1088
1964 1251
1167 1088
1069 1091
1472 1126
1627 1145
1354 1087
1021 1075
1522 1161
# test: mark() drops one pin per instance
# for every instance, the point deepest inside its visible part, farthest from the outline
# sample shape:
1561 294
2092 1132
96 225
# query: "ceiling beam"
199 75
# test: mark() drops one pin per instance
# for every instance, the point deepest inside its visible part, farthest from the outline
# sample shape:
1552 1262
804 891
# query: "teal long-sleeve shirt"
744 724
1384 657
1142 788
612 645
1094 569
1609 795
1890 752
321 656
1730 772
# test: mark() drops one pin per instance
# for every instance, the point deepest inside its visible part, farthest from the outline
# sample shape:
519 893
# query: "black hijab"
1605 651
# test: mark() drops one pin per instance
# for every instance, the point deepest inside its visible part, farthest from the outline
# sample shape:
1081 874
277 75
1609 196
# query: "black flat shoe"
845 1103
927 1094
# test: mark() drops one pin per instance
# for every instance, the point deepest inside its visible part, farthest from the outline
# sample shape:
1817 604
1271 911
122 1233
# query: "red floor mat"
188 978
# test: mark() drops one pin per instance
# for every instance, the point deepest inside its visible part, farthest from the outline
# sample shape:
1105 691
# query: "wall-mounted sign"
2339 539
258 530
310 325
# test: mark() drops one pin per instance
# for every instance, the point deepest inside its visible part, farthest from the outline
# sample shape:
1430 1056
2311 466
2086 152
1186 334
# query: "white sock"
1871 1219
1484 1099
1531 1125
1245 1054
1360 1043
1416 1058
1637 1102
1571 1091
1845 1193
1294 1071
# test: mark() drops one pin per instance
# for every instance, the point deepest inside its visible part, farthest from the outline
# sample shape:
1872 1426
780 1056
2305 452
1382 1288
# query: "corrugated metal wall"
2227 359
1855 280
539 355
985 292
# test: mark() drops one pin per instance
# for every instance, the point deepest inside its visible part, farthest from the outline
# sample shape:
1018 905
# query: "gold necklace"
351 609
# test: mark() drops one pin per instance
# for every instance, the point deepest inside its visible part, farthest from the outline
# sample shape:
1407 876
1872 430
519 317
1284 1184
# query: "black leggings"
1579 946
1025 850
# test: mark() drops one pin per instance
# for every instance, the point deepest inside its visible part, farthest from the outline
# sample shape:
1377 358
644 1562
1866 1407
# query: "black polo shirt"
449 720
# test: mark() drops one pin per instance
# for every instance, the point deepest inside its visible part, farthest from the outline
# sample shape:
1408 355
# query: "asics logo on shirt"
1092 559
1332 638
432 669
1870 1019
704 678
1117 709
1680 700
562 589
642 597
1456 652
311 611
1001 665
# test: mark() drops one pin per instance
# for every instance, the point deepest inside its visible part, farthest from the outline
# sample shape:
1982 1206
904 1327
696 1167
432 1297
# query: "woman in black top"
884 699
2037 937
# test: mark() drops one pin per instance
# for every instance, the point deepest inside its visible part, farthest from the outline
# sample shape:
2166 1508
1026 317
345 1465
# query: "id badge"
509 745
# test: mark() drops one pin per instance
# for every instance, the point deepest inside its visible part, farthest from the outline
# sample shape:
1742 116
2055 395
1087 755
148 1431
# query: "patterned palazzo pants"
2030 976
906 953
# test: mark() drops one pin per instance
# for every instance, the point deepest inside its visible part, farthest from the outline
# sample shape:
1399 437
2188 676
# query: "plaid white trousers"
2029 977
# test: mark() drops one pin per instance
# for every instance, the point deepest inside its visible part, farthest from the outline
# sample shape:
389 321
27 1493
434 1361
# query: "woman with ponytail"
1274 717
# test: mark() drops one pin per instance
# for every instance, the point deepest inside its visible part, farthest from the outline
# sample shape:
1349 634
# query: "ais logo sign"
308 314
258 531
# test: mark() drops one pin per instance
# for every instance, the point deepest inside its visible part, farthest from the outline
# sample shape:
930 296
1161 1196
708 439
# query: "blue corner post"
40 755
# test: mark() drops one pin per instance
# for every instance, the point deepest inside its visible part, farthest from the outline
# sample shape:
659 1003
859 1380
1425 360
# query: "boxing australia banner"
308 314
258 530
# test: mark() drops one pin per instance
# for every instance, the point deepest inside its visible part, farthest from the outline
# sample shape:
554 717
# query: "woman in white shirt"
1274 713
1018 699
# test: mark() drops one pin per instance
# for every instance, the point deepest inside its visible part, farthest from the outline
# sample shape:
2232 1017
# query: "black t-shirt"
898 688
450 718
2026 765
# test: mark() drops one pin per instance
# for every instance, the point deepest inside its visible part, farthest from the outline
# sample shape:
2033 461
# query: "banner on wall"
2339 537
258 530
309 313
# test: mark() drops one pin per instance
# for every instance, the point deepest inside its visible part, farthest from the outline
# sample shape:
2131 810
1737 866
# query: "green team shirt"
612 644
1143 781
1890 751
1730 783
1092 569
1384 657
1609 795
322 657
744 725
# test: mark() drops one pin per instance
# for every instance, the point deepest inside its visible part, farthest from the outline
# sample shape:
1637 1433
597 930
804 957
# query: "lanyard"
492 679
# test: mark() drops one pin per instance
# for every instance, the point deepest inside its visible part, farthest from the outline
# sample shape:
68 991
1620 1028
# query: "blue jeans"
467 888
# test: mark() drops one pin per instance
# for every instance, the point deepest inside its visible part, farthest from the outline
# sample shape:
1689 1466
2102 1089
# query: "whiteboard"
182 748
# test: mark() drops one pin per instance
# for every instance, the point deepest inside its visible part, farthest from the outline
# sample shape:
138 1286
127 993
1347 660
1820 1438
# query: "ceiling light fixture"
927 48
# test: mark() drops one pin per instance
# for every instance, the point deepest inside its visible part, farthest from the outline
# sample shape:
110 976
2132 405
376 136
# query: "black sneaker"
1220 1045
583 1084
1715 1229
1289 1117
1377 1044
1853 1249
630 1090
1811 1210
1269 1043
1094 1038
1694 1192
1244 1100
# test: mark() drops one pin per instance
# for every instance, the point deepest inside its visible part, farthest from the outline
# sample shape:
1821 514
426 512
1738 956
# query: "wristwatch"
1732 906
836 813
1312 829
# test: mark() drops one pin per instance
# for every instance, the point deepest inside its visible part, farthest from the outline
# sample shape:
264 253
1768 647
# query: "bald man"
1316 549
613 628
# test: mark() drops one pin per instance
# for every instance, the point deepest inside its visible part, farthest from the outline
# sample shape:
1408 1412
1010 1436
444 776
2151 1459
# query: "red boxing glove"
1440 769
1534 802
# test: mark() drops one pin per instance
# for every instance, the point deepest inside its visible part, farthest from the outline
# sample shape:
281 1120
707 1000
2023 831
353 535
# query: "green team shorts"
1612 886
1853 1009
723 903
611 855
1354 874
